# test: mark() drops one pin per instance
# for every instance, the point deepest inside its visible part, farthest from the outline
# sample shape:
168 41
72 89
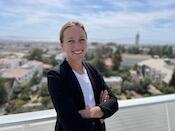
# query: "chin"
78 58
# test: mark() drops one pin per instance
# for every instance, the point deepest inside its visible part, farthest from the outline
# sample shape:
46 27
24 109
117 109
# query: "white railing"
143 114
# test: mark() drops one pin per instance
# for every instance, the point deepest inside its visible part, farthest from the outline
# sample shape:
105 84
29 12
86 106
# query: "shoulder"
58 70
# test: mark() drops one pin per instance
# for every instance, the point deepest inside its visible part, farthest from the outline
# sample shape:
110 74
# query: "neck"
76 65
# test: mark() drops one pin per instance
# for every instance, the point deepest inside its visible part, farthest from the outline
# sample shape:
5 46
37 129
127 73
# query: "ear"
61 45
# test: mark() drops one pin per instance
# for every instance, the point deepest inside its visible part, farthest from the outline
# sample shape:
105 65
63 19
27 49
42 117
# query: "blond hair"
70 24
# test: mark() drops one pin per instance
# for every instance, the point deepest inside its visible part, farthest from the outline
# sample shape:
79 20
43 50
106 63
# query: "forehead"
73 31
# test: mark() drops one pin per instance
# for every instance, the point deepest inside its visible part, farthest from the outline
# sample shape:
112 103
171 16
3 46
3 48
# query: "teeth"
77 52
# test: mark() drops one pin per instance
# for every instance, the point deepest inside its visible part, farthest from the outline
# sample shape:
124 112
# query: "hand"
85 113
104 96
93 112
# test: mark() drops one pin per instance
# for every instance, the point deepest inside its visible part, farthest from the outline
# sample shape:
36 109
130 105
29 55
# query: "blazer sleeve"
66 110
111 106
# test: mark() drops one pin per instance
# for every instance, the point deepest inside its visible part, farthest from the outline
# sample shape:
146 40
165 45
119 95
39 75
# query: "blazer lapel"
74 82
94 84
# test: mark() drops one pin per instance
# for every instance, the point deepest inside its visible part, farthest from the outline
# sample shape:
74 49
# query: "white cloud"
122 20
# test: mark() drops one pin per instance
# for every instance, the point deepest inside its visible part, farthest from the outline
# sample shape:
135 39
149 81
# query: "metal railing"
143 114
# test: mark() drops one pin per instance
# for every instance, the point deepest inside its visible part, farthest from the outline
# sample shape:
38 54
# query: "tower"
137 39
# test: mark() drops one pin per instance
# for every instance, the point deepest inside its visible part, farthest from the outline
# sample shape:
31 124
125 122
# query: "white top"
86 88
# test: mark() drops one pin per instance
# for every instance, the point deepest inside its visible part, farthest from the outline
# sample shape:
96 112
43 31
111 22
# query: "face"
74 43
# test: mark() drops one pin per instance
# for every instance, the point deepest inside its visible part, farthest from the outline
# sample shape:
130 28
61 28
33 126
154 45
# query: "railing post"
167 116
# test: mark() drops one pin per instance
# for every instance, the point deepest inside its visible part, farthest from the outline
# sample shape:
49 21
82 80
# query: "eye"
70 41
82 40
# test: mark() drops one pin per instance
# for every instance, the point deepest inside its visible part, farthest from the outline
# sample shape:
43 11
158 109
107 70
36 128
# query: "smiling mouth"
78 52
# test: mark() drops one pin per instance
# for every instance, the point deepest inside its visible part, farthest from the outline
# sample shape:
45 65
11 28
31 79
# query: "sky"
105 20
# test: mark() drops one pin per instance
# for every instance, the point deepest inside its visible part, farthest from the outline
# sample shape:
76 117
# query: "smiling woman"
74 42
80 96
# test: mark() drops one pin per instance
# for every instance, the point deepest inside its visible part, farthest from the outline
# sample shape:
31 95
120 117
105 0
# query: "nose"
78 43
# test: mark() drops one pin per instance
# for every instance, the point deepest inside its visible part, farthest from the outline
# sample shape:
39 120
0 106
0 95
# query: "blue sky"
105 20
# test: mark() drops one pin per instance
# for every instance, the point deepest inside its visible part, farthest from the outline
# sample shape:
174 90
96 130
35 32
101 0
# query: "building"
173 50
114 82
34 66
18 74
137 40
159 70
7 63
24 73
108 62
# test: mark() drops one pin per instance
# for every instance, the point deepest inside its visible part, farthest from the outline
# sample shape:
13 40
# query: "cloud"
104 19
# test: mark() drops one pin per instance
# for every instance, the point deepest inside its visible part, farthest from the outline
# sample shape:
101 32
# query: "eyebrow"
82 36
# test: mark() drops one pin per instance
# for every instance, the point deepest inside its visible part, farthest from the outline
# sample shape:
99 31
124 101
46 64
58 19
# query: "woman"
79 94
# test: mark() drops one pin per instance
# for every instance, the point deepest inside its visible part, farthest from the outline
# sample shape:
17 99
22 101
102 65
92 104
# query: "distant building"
24 73
134 76
137 40
91 49
157 69
6 63
34 66
18 74
114 82
145 50
173 50
108 62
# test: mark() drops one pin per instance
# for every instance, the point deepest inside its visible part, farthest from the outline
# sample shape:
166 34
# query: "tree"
35 79
98 62
172 82
25 96
3 92
127 86
100 65
53 61
36 54
44 91
14 106
117 59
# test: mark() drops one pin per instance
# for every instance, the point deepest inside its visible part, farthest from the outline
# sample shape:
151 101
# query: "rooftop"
160 65
9 61
15 73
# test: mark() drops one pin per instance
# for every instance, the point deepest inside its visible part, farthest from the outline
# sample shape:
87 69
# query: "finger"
107 97
101 96
104 94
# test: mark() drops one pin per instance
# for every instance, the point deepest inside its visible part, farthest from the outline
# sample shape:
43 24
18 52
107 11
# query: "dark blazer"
67 98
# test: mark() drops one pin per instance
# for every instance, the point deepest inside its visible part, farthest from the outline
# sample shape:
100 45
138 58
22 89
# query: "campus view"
131 43
131 70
